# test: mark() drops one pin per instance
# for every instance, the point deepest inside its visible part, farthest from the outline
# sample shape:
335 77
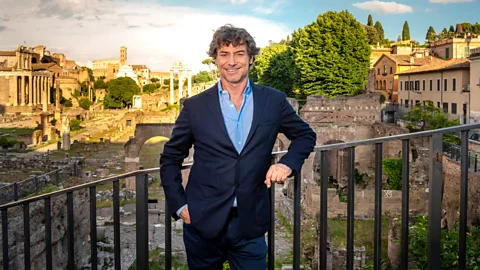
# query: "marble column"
189 85
30 90
171 87
22 92
180 87
34 86
44 94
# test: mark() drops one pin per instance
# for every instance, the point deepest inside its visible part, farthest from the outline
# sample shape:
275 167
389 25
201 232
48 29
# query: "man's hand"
277 173
184 215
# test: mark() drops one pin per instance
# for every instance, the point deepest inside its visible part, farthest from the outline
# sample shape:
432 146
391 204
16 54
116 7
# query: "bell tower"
123 55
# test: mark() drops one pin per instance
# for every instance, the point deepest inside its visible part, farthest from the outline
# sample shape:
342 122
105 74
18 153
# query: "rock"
178 224
100 233
105 247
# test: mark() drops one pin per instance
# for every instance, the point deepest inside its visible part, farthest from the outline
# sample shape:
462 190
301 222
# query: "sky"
158 33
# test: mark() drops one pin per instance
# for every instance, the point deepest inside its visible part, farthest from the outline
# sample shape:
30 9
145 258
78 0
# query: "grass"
13 132
157 261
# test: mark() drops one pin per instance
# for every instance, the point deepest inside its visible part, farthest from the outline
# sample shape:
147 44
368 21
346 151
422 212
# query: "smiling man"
233 127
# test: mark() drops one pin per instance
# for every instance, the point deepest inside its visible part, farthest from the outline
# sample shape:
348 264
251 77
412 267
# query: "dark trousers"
241 253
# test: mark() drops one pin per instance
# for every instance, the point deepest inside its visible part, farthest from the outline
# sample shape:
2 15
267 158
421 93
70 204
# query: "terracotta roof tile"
42 66
441 65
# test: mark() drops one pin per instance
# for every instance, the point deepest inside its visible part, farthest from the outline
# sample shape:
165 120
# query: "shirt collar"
247 91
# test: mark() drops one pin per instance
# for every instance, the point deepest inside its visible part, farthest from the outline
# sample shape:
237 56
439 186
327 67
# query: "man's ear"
251 60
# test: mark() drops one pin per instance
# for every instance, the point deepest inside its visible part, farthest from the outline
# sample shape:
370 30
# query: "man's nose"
232 60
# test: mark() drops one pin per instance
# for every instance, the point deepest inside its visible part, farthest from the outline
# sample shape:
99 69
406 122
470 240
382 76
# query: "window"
406 85
445 83
431 85
401 85
445 107
417 102
401 101
438 86
417 85
423 85
384 67
454 108
438 104
391 70
378 71
467 52
411 85
406 103
391 85
447 53
454 84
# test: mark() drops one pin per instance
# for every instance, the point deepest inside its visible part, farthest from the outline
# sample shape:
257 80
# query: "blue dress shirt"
238 124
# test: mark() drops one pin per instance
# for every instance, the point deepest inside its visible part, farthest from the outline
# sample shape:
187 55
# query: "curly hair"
228 34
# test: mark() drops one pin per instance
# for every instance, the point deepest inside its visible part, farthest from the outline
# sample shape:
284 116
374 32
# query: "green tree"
120 93
430 34
155 80
406 31
370 20
202 77
452 29
90 74
211 66
372 35
332 55
380 32
399 38
84 89
275 67
99 84
85 103
151 87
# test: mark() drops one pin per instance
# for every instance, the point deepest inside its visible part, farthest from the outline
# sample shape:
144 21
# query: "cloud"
133 26
158 42
4 19
384 7
272 8
449 1
238 1
2 28
63 8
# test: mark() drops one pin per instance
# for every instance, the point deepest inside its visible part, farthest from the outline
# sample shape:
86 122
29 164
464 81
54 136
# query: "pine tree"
380 32
332 55
430 34
370 20
406 31
452 29
372 35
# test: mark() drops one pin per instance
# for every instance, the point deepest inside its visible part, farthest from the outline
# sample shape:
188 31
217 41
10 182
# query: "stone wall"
451 194
364 202
59 233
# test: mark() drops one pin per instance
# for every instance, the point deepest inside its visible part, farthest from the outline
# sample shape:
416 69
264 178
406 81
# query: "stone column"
34 87
49 87
44 94
66 132
30 90
45 126
189 85
40 89
180 87
22 92
57 96
171 87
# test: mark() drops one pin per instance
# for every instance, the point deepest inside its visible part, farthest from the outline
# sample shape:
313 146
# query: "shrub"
393 169
85 103
75 124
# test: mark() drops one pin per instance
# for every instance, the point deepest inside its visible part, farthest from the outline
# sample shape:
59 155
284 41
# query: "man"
233 127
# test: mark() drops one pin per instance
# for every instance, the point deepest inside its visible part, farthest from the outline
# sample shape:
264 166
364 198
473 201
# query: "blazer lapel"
213 104
259 98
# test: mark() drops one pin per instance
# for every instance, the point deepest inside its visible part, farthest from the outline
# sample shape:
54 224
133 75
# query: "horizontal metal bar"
84 186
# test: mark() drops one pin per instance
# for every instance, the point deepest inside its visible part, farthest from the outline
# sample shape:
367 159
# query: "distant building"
454 47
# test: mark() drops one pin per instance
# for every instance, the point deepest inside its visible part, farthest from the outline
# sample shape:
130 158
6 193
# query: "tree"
90 74
380 32
120 93
370 20
85 103
332 55
429 117
99 84
151 87
275 67
399 38
430 34
154 80
452 29
202 77
211 67
372 35
406 31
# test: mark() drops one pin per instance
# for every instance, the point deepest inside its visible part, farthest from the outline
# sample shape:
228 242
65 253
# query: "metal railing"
454 152
142 257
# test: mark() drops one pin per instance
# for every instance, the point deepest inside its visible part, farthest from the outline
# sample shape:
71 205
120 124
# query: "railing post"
350 207
141 205
116 224
57 176
6 259
296 220
462 251
323 209
48 233
93 228
435 203
70 232
476 162
405 202
271 231
378 206
26 236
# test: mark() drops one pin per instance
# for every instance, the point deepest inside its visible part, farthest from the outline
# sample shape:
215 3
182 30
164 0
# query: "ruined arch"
143 132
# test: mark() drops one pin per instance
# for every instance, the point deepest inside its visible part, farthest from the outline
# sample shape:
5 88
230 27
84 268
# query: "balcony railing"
466 88
142 257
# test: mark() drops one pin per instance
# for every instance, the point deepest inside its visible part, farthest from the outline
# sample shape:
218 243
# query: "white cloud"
384 7
450 1
238 1
271 7
154 35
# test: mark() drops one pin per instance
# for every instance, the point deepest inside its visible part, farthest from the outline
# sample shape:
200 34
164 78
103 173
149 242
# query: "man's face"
233 63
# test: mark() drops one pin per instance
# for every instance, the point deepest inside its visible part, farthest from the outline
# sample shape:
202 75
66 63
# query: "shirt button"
239 142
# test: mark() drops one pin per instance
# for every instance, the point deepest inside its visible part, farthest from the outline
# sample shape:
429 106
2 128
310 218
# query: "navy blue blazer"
219 173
